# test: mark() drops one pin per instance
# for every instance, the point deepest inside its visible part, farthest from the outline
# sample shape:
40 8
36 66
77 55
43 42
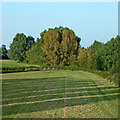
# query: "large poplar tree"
59 46
69 47
51 46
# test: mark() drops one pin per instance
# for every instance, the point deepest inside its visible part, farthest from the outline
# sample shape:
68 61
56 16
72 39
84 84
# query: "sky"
89 20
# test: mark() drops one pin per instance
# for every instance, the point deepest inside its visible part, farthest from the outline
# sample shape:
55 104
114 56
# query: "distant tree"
3 52
19 46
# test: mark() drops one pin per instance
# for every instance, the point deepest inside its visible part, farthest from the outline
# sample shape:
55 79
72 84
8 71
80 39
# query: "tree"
19 46
110 55
51 46
96 46
83 58
35 54
96 50
86 59
60 45
106 55
68 47
92 60
3 52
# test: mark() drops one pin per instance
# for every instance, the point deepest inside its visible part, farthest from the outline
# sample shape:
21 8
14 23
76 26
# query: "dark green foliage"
19 46
3 52
106 55
96 46
35 54
110 55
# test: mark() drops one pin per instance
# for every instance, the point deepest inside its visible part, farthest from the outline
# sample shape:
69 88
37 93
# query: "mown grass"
14 64
58 94
110 76
10 66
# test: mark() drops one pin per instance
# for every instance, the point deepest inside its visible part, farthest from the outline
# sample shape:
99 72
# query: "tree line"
60 46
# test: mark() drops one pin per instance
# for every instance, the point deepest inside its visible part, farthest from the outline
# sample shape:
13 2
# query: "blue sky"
89 20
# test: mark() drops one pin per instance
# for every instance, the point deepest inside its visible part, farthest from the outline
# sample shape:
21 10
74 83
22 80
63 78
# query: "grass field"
14 64
58 94
10 66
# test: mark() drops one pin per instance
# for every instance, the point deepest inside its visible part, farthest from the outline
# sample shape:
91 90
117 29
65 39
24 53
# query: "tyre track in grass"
107 105
64 109
54 99
94 107
80 110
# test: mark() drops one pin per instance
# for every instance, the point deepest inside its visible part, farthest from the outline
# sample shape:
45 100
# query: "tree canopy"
35 54
60 46
19 46
107 54
3 52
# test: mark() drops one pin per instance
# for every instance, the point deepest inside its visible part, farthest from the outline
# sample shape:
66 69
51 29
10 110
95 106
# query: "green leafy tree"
51 46
3 52
92 60
106 54
35 54
110 55
19 46
96 46
83 58
68 47
58 46
96 50
86 59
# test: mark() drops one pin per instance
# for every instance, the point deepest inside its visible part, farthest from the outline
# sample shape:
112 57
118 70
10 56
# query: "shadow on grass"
21 85
56 92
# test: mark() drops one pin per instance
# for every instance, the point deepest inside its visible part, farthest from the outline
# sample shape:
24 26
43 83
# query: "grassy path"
58 94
